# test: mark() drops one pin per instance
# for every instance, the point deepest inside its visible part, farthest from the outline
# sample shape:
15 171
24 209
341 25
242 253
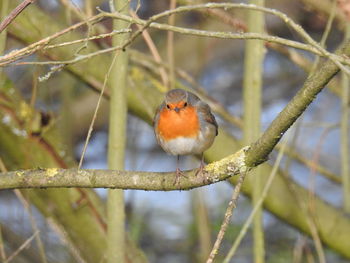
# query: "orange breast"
172 124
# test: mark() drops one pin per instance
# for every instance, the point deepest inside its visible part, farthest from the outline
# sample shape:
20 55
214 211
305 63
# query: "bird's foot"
202 172
178 174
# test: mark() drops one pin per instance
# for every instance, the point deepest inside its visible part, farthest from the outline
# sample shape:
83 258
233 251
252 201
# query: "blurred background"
45 123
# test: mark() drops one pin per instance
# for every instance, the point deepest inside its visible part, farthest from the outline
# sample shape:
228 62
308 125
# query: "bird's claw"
178 174
202 172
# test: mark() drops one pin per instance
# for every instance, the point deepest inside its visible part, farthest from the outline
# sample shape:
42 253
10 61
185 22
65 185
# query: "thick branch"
55 177
312 86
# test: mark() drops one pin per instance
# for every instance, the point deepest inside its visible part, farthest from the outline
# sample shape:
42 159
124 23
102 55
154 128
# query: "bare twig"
9 259
325 34
248 222
344 136
312 46
32 48
2 249
281 15
91 127
26 206
310 205
152 47
62 234
15 12
114 32
170 48
228 215
33 223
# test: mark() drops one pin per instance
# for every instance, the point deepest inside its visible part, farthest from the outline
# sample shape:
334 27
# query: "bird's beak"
176 109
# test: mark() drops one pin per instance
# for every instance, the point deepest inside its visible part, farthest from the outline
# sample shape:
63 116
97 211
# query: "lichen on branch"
93 178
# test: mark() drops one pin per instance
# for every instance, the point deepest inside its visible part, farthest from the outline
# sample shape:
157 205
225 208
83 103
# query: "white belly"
183 146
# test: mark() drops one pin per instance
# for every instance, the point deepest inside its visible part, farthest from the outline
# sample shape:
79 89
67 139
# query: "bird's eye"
168 106
185 104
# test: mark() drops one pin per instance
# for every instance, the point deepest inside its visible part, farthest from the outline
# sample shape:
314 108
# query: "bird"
184 124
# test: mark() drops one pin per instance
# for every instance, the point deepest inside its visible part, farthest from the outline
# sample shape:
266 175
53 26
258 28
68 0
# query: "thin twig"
311 47
24 52
33 223
227 218
344 136
154 51
3 37
194 32
14 13
23 246
70 6
170 48
310 205
277 13
259 203
325 34
2 248
35 228
114 32
62 234
96 111
311 200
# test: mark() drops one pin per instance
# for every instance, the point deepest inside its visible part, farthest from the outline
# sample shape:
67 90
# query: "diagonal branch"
312 86
14 13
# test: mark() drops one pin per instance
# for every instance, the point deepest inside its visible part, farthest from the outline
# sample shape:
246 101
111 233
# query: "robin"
183 124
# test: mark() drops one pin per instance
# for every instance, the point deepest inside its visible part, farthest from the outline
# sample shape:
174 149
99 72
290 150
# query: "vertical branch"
88 8
170 50
3 37
66 123
252 86
2 244
202 225
117 141
344 137
2 248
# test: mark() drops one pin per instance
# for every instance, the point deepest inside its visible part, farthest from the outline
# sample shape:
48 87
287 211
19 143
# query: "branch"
153 66
312 86
311 46
284 207
228 214
56 178
15 12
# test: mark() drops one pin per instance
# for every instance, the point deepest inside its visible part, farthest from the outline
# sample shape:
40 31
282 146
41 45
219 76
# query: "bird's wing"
156 120
205 113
